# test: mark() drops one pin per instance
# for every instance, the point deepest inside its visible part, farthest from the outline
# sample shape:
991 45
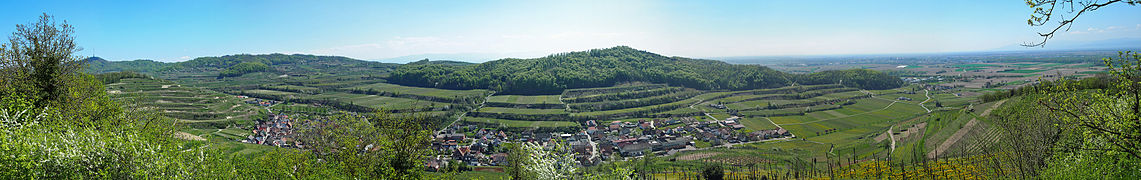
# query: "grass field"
443 93
270 92
757 123
1023 71
679 111
293 87
850 121
973 65
521 110
584 92
515 123
516 99
300 108
970 69
679 104
374 101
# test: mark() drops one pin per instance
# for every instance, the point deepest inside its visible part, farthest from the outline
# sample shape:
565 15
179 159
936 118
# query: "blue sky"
181 30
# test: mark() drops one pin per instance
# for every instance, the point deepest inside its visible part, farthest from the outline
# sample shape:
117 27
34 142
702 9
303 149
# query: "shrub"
713 172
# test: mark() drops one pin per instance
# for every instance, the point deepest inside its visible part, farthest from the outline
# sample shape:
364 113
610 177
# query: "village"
276 130
597 142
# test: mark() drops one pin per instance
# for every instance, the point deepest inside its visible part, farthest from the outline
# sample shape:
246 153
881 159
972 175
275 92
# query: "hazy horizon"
481 31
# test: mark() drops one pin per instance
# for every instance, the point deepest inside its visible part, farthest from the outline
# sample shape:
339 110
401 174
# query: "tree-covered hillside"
858 78
606 67
237 65
99 65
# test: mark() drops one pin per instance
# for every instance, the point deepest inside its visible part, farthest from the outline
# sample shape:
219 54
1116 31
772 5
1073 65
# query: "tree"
531 161
37 64
612 171
1110 118
1044 13
713 172
1104 120
1031 130
373 146
37 60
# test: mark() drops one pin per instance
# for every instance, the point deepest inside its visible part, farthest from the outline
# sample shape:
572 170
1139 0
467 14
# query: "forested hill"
99 65
237 65
606 67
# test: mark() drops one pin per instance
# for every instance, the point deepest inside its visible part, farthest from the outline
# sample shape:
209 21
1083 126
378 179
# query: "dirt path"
461 116
925 93
891 136
775 124
961 132
566 106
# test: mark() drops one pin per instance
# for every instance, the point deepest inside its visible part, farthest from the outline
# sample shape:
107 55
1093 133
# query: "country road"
925 93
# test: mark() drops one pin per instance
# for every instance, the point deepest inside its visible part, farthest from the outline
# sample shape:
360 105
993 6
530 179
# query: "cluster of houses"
468 144
669 136
277 130
260 102
921 79
597 142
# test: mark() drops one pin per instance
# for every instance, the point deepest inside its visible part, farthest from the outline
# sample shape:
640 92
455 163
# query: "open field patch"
517 99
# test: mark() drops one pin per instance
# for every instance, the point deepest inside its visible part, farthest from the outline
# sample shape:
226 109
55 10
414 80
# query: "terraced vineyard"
188 104
806 109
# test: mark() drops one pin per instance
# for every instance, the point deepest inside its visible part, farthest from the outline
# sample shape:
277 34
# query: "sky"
482 30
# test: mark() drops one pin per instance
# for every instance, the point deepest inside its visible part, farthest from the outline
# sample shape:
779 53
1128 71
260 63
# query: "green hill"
607 67
96 65
241 64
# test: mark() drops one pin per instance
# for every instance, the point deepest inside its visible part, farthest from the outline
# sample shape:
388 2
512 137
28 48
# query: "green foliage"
857 78
40 71
713 172
96 65
114 77
1107 118
616 172
1071 129
243 68
1035 130
531 161
1100 81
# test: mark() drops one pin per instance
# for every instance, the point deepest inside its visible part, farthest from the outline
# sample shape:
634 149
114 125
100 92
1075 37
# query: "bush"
713 172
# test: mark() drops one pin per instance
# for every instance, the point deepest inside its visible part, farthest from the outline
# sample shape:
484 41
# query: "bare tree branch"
1042 16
